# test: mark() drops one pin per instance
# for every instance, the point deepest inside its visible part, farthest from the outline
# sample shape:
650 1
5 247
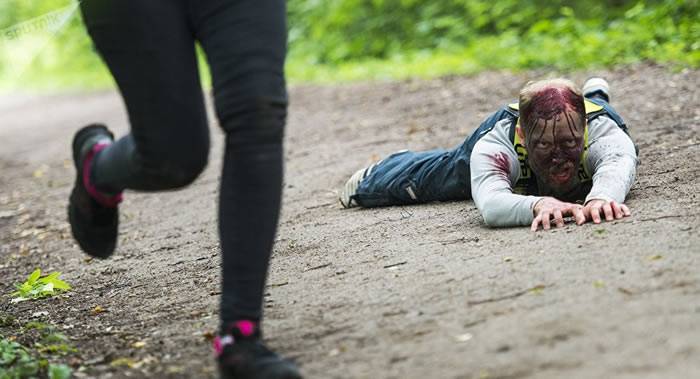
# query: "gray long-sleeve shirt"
611 159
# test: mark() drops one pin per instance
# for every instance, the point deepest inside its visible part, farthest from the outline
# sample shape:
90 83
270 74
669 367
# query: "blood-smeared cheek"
554 159
539 161
570 154
562 155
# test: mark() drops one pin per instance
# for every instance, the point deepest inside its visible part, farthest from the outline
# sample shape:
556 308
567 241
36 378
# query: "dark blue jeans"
149 47
409 177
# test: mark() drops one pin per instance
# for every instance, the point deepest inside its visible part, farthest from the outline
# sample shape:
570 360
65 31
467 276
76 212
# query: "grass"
18 361
66 61
42 342
426 65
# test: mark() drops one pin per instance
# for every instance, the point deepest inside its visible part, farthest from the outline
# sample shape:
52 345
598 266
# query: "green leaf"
46 289
52 276
59 284
15 361
33 277
36 287
59 371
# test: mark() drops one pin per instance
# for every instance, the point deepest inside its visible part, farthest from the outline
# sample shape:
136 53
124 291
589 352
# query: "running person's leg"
149 48
245 44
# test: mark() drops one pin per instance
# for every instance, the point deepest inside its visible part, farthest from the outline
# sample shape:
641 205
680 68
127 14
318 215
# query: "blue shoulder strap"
487 125
606 110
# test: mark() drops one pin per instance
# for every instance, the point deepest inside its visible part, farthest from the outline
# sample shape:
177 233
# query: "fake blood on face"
550 102
554 151
553 121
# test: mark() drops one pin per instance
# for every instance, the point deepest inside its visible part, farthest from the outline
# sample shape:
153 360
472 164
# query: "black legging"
149 46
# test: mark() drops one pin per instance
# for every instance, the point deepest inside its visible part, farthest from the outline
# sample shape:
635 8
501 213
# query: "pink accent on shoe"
104 200
246 327
220 342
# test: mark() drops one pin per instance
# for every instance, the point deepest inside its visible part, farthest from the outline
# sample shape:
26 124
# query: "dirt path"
411 292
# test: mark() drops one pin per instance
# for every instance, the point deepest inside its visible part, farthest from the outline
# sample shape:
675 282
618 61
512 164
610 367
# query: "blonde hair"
545 99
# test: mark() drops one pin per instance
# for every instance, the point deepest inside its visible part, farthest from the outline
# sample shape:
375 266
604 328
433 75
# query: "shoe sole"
596 85
98 241
350 188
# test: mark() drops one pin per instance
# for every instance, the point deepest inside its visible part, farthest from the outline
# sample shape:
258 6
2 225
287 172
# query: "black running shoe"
93 216
242 355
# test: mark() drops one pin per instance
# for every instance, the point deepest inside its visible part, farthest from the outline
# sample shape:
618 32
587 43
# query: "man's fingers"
594 211
607 209
625 210
617 211
535 223
595 215
558 218
579 216
545 220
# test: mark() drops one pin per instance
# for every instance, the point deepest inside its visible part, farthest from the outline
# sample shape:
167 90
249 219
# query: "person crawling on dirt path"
149 47
559 152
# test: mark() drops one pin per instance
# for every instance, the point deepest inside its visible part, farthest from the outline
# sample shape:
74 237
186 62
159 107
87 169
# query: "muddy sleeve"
613 161
494 171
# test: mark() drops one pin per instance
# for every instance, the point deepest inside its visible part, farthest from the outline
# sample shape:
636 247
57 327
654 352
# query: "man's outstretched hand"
549 207
550 210
595 210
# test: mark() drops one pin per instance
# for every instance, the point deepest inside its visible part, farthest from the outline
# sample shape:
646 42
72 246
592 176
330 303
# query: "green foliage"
359 39
50 341
59 372
20 362
488 34
16 362
47 55
37 286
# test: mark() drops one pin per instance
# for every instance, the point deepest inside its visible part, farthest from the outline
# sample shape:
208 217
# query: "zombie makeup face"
554 147
552 118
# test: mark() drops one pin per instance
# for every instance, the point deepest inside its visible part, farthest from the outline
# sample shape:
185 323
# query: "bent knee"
255 120
173 171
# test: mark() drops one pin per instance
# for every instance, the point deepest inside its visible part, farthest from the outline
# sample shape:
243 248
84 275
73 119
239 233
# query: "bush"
331 39
568 33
